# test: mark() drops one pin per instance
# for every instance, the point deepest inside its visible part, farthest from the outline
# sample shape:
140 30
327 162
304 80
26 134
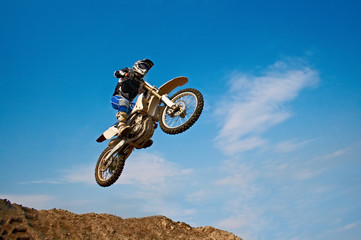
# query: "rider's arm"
123 73
141 88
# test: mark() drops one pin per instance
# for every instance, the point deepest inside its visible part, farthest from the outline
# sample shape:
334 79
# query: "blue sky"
275 154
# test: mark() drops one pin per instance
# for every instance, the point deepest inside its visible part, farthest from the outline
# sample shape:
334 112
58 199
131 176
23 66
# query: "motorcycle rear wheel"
108 172
191 105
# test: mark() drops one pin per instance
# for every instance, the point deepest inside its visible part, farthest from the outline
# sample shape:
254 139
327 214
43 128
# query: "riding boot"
124 130
148 143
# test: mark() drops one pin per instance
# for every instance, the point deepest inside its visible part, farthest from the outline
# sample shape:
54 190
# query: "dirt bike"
175 114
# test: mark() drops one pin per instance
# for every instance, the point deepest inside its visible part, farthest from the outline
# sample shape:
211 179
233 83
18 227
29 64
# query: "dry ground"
23 223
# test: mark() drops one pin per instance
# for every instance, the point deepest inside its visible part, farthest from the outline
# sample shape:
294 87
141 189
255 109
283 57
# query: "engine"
142 129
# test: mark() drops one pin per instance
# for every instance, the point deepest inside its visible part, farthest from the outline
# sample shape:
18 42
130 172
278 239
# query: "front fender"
167 87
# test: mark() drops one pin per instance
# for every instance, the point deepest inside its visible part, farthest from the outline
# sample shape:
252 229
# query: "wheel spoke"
189 102
107 174
170 120
108 171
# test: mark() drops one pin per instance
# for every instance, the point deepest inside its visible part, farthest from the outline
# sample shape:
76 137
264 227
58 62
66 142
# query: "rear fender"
108 134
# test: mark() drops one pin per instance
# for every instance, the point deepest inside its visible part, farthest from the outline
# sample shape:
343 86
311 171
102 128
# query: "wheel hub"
180 110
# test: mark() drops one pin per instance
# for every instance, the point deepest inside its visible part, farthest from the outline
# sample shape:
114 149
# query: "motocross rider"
128 87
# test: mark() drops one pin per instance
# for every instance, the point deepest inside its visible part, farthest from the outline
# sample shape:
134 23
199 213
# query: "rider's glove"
119 74
124 73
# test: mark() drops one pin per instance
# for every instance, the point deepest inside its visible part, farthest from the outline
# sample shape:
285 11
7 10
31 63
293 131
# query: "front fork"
116 148
173 107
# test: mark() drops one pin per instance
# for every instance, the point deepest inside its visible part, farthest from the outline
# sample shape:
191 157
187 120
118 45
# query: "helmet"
143 66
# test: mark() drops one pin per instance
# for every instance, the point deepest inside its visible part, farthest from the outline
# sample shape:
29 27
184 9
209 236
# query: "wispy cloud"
153 181
146 169
255 103
40 201
342 230
273 187
196 196
304 174
79 174
336 154
169 209
245 221
290 145
347 227
141 168
238 174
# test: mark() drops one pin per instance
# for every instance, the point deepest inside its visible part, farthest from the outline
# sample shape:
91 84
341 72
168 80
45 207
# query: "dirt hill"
23 223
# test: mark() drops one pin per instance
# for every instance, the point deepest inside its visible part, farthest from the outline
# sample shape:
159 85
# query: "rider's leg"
123 106
122 125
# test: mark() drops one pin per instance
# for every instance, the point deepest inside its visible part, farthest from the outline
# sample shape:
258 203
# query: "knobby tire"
117 170
185 126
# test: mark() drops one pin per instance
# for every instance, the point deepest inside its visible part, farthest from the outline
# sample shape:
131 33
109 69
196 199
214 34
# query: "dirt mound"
23 223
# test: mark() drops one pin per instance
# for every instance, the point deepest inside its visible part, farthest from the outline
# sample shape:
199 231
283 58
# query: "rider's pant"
121 104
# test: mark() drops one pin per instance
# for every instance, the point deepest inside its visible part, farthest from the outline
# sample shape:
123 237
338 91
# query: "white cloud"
347 227
235 222
336 154
332 156
158 199
80 174
305 174
145 168
40 201
245 221
154 183
242 145
290 145
196 196
171 210
255 103
240 175
340 231
140 168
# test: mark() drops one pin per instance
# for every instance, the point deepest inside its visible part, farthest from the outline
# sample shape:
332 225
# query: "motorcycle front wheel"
107 171
190 103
